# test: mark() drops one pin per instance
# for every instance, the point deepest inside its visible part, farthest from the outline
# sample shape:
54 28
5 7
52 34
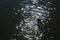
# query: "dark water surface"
8 23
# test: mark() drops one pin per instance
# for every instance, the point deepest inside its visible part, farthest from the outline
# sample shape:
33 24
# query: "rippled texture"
31 11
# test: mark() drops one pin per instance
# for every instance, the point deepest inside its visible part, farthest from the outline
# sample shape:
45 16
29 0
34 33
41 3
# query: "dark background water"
8 23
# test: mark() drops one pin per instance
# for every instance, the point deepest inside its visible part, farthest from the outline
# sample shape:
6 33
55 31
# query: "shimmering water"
32 10
22 16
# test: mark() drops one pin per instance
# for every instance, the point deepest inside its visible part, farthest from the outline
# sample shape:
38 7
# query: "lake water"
8 19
